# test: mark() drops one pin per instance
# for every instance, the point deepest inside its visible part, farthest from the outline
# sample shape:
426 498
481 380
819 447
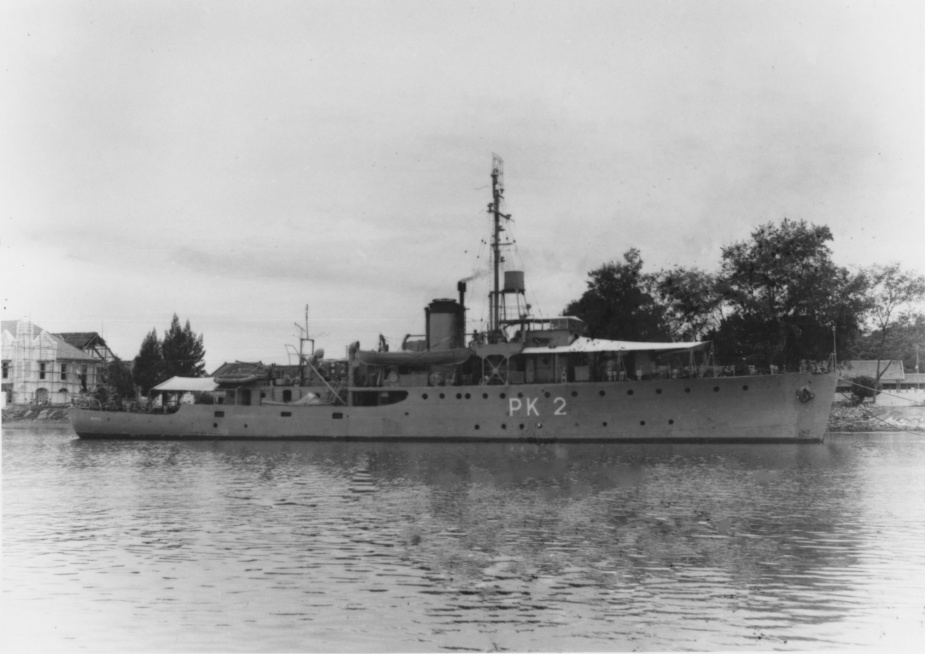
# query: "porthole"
245 425
546 394
215 424
671 421
459 396
602 393
442 396
521 426
468 396
520 395
424 396
687 390
642 422
745 388
605 423
484 396
658 391
629 392
574 393
477 427
716 389
503 426
502 396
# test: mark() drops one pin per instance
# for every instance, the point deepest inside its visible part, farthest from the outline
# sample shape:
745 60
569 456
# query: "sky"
234 162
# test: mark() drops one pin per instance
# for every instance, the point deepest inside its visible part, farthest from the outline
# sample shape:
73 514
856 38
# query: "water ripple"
369 547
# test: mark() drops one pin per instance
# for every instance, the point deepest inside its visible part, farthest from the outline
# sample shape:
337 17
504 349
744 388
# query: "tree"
148 366
620 302
863 387
786 294
692 300
892 295
183 351
117 382
904 338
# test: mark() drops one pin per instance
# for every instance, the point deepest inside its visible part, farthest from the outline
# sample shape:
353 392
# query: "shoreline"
846 418
24 425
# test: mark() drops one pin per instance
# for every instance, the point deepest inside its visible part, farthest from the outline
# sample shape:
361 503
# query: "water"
242 546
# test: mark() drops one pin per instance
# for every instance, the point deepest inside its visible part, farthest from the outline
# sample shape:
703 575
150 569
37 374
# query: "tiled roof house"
89 343
892 372
914 379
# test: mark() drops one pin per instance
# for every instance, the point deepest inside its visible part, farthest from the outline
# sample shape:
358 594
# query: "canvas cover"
583 344
184 384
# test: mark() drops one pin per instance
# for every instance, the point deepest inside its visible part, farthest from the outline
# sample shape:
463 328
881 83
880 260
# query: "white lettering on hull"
515 405
560 406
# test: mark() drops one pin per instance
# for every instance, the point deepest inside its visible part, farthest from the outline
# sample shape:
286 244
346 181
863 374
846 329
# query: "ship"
521 378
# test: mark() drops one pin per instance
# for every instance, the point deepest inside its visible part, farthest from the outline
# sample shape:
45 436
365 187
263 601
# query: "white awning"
183 384
583 344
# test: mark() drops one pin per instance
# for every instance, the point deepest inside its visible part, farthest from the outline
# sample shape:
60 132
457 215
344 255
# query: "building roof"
892 370
80 340
71 353
915 378
10 326
64 349
240 372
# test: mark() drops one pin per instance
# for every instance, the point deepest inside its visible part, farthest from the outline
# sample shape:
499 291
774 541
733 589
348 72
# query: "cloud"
232 165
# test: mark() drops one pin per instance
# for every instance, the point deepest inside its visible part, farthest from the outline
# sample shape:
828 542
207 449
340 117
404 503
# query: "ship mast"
303 336
497 192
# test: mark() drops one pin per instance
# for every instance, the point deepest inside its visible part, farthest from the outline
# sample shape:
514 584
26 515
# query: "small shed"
892 372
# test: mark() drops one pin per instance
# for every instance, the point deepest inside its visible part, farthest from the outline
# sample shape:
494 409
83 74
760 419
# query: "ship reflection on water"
280 546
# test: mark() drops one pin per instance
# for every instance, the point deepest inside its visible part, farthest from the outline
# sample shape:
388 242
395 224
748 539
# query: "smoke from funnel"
476 275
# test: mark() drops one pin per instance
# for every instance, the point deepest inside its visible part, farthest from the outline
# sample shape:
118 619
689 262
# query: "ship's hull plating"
788 407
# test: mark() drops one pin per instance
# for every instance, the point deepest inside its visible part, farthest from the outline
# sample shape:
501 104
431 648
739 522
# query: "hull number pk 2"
517 405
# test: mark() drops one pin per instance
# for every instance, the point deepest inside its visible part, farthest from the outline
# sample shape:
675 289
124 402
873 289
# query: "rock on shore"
870 417
22 413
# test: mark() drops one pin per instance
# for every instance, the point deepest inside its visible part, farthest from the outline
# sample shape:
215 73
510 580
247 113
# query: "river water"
347 547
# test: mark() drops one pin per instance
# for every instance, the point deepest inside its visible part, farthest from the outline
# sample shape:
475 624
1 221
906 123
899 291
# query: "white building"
41 368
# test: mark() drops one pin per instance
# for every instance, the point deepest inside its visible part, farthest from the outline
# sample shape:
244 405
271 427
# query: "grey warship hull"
782 407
